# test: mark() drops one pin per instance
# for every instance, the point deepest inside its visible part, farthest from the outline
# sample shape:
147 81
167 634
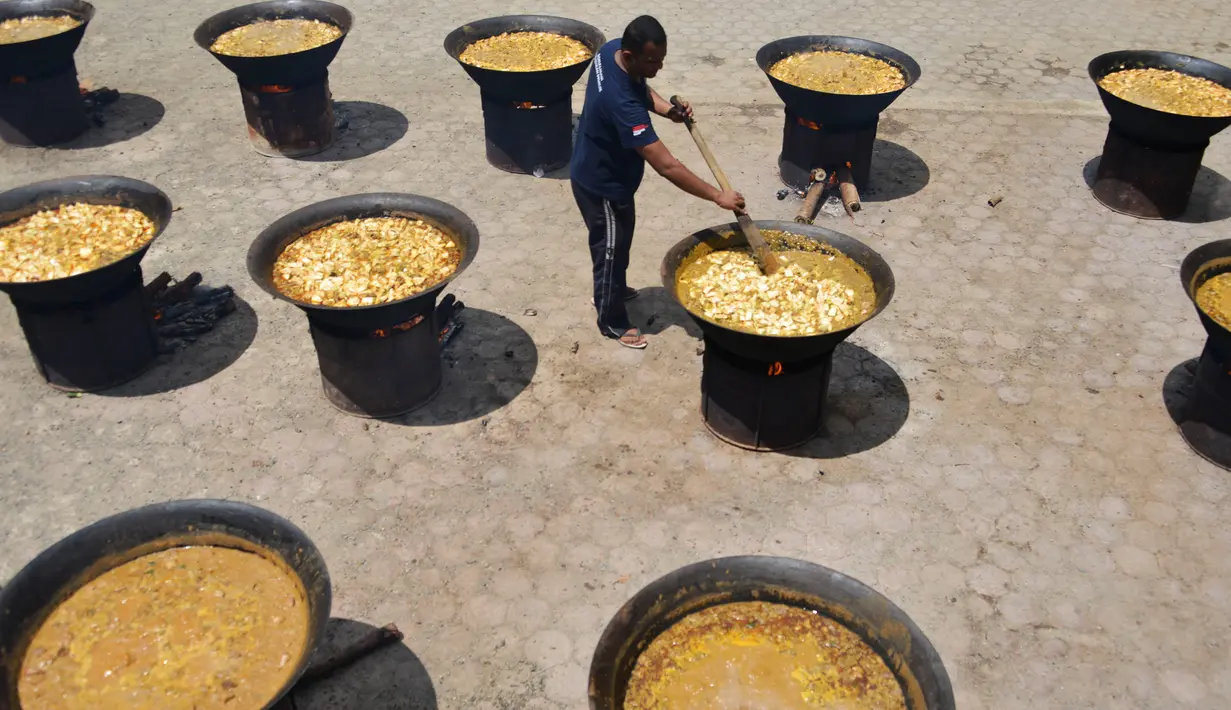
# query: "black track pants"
611 236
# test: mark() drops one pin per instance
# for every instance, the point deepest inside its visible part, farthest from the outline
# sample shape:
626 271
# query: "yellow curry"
838 72
525 52
1214 297
764 656
190 628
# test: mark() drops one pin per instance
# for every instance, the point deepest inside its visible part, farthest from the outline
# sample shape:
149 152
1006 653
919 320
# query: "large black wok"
534 86
21 202
780 580
782 348
295 68
268 246
39 57
30 597
1202 264
835 110
1149 125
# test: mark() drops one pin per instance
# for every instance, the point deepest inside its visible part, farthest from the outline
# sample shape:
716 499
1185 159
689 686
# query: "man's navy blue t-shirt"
615 121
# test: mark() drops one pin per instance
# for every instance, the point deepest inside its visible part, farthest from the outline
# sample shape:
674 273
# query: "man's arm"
667 165
663 107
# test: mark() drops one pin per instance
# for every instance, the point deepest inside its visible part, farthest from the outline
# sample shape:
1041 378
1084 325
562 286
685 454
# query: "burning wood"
184 310
97 98
839 180
812 198
848 191
447 322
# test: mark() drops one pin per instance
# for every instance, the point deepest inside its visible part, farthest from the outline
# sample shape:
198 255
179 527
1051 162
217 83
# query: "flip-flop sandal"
628 333
630 293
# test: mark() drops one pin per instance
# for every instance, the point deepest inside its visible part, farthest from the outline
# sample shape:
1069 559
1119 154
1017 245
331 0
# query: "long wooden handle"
769 262
702 146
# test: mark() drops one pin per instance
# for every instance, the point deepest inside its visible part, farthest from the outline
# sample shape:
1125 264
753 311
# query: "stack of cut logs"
820 182
184 311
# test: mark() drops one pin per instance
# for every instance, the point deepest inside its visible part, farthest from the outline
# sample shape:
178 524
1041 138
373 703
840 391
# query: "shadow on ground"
212 353
897 172
486 365
364 128
654 311
127 117
1211 196
391 678
867 404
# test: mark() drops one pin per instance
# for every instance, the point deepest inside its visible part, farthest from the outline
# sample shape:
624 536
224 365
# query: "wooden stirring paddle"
765 258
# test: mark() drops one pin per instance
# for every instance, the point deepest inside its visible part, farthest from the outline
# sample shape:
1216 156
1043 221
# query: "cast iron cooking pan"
863 610
785 348
41 57
30 597
540 87
24 201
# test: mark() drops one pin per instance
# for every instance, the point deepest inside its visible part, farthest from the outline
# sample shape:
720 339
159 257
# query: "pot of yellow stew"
764 632
192 605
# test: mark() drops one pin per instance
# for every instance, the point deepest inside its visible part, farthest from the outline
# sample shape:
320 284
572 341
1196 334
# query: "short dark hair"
643 31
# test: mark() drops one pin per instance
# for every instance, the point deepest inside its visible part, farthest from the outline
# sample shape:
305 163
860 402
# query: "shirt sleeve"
632 121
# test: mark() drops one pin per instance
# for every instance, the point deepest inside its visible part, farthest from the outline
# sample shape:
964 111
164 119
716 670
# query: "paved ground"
1000 461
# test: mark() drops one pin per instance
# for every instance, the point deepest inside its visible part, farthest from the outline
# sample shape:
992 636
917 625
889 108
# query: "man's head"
643 47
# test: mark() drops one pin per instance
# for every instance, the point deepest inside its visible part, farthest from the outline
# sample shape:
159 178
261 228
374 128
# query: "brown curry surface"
818 289
838 72
761 656
32 27
190 628
1214 297
1169 91
272 38
363 262
525 52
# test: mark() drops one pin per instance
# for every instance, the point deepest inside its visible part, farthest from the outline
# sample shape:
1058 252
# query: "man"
614 142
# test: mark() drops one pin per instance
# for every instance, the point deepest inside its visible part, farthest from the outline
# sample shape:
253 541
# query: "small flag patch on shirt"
638 130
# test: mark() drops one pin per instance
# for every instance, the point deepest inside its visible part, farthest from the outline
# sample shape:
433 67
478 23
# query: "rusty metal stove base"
379 374
1207 418
289 121
528 139
1146 181
94 345
807 146
42 111
763 406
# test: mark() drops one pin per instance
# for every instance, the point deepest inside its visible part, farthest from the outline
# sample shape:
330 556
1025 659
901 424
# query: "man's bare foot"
633 338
